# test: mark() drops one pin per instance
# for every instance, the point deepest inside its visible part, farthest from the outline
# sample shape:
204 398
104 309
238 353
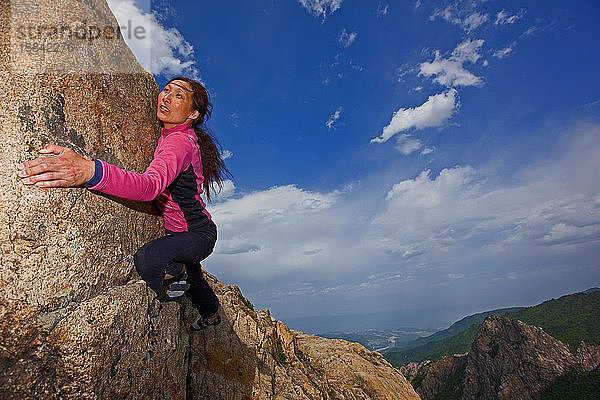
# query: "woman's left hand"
64 169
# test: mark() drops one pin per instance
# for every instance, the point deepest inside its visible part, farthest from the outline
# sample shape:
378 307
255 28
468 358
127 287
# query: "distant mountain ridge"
455 339
571 318
462 325
548 351
510 360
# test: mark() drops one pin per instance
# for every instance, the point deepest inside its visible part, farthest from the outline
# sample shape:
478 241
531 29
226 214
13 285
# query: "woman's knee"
140 260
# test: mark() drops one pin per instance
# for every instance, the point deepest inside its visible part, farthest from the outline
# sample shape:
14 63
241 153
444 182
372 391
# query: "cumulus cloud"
321 8
450 71
160 50
219 194
433 113
417 239
346 39
274 226
503 17
331 122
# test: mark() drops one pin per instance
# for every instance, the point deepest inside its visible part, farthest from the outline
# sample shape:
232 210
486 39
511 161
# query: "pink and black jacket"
173 179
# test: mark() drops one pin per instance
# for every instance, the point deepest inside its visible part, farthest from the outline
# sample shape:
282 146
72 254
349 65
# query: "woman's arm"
68 169
171 157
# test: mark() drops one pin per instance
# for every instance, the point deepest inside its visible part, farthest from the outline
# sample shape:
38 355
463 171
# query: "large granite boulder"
76 322
72 321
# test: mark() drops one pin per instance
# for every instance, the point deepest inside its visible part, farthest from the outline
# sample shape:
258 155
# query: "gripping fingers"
40 178
54 183
53 149
35 167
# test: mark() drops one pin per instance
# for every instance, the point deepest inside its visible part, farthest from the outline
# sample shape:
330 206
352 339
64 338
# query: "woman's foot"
202 322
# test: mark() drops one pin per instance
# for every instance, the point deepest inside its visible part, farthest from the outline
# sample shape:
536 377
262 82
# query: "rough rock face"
75 320
413 370
437 374
588 357
510 359
70 324
251 355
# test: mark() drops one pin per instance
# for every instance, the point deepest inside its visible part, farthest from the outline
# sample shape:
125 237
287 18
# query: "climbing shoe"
178 287
202 323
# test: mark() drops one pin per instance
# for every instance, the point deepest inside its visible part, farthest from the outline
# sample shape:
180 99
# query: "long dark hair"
213 166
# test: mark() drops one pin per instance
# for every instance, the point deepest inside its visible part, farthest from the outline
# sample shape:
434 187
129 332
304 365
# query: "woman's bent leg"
168 255
200 293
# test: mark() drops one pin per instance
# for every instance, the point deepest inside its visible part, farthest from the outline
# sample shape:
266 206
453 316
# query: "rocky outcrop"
508 360
72 322
251 355
75 320
438 374
414 370
588 357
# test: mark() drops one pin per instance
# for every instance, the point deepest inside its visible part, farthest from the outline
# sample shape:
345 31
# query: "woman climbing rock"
186 163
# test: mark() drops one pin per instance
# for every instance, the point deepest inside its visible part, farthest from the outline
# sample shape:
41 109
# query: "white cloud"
160 50
275 225
223 193
333 118
503 17
462 14
406 144
427 150
226 154
503 53
321 8
433 113
306 252
474 21
459 208
382 10
450 71
346 39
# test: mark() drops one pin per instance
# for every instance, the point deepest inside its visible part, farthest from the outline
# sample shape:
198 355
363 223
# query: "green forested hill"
459 343
461 326
571 319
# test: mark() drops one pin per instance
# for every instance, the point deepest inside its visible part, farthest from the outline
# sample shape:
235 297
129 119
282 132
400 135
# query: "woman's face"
175 104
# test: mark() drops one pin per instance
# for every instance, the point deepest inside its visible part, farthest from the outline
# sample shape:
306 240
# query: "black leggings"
168 255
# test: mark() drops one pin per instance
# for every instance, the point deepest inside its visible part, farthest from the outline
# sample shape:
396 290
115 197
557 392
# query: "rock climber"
186 163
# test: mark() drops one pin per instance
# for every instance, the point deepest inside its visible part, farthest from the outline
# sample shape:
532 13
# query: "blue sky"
423 159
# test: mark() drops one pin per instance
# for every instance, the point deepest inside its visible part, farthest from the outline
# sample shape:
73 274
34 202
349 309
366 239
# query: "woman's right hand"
64 168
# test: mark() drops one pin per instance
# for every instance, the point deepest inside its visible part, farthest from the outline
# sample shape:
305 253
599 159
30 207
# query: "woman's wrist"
90 169
93 173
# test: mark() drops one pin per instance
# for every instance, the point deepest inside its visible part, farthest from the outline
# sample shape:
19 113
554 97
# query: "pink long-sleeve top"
173 179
